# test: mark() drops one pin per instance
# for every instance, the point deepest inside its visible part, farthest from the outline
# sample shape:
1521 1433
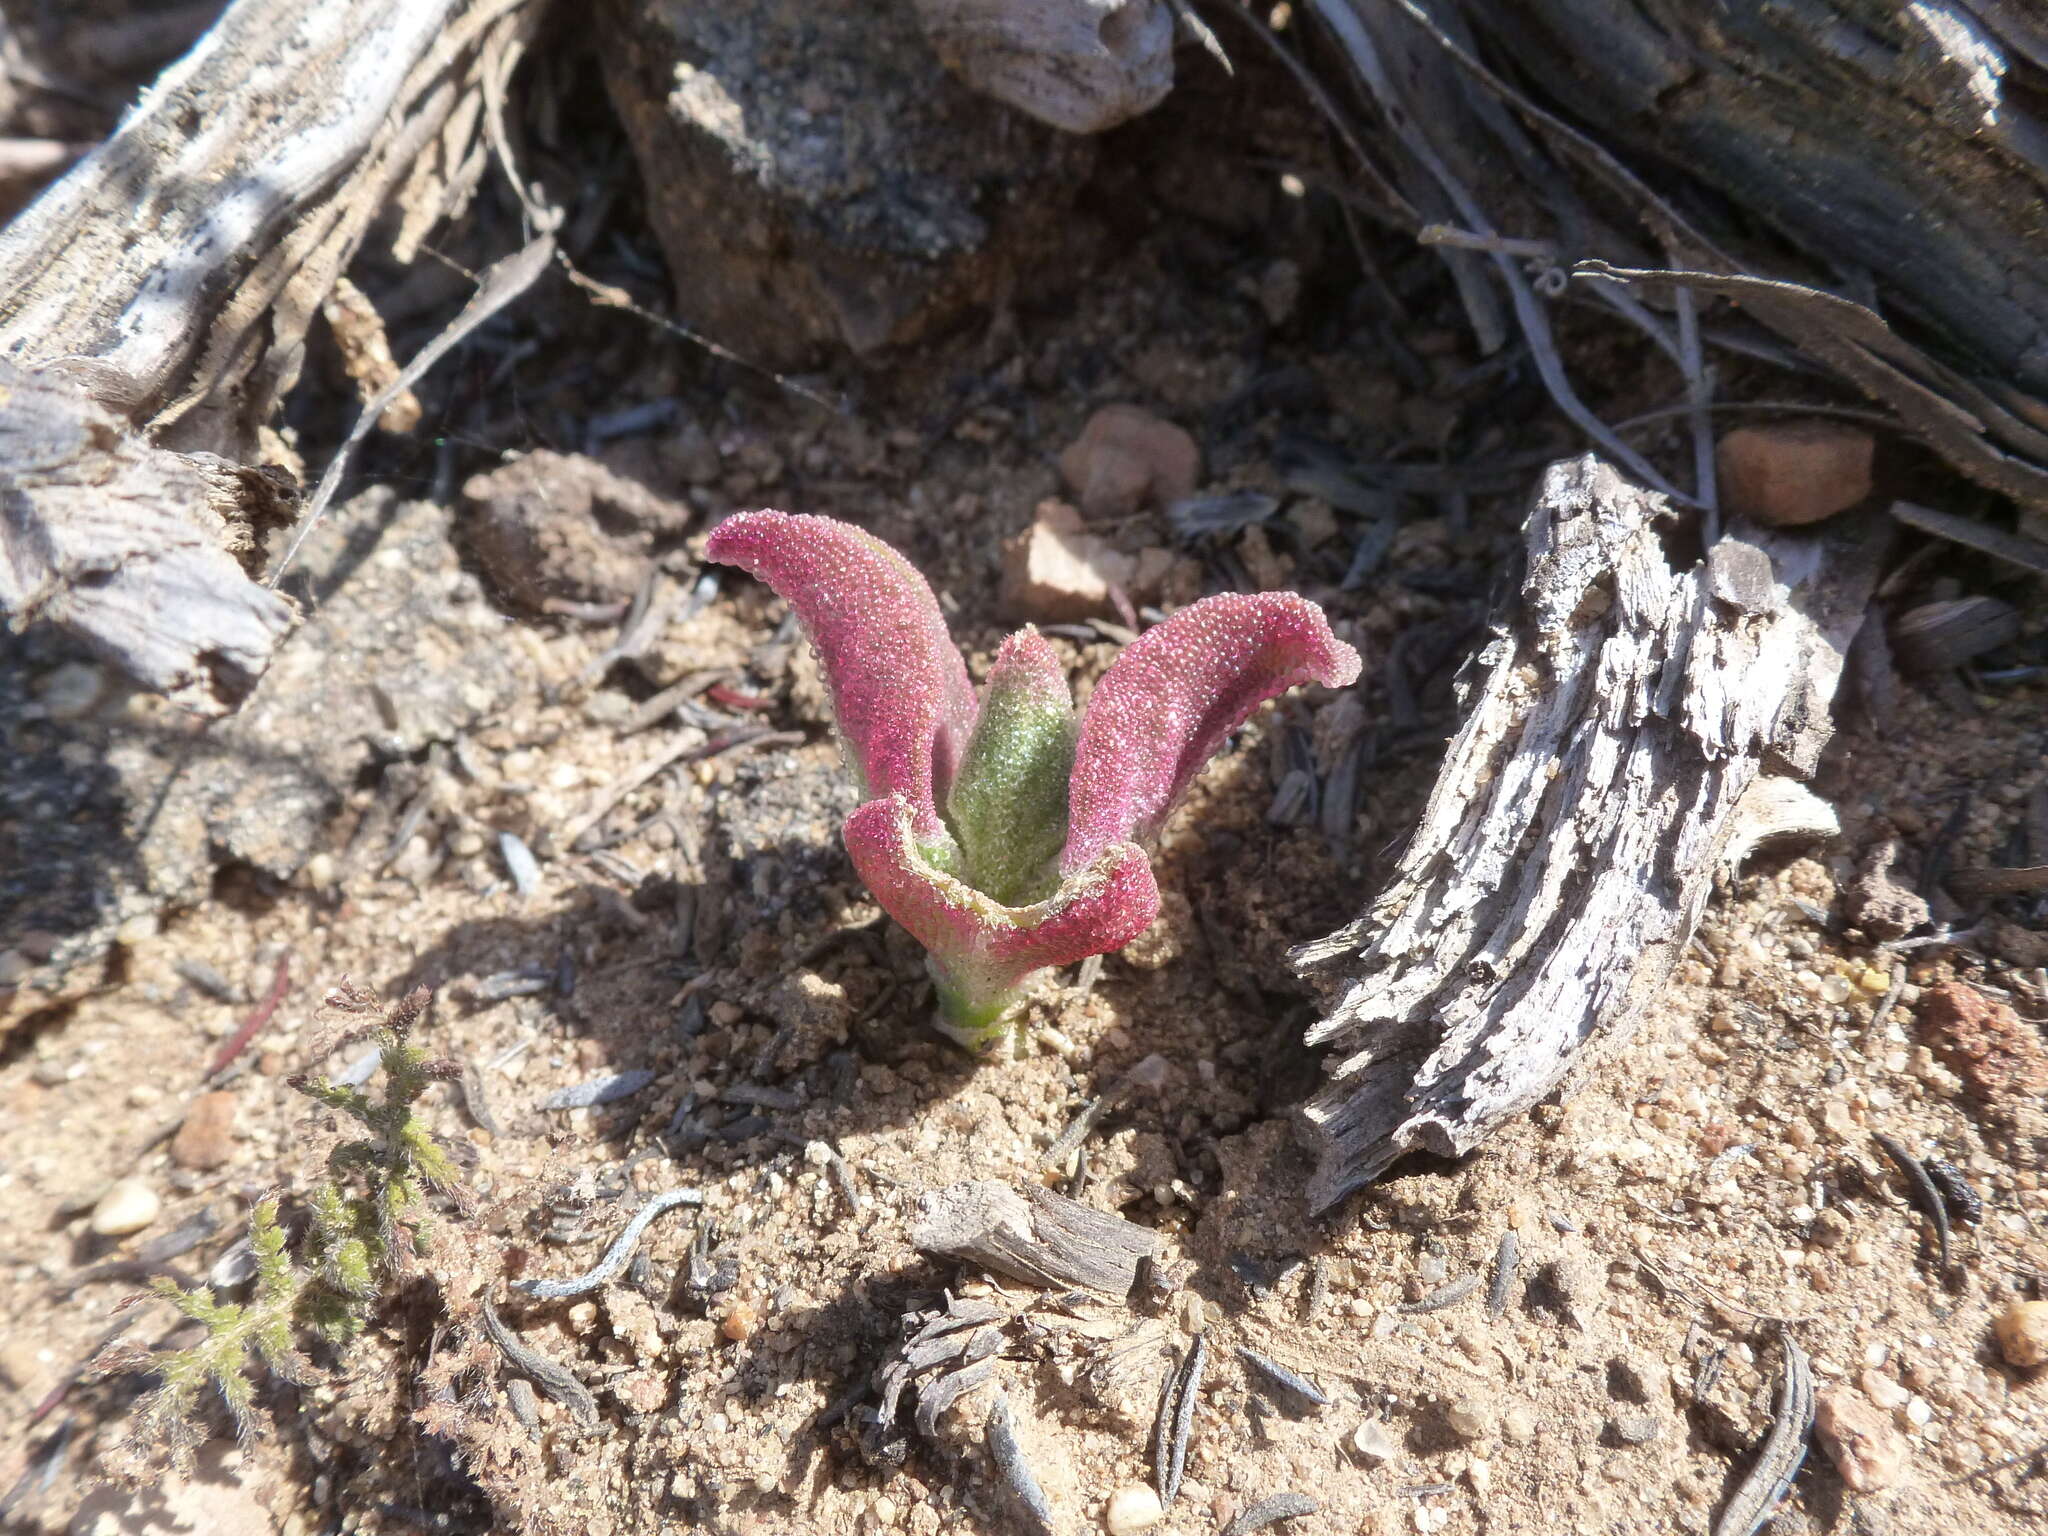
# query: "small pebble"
1467 1419
2022 1331
206 1140
70 691
128 1206
1791 472
741 1319
1131 1509
1371 1442
1127 458
21 1363
1859 1440
1636 1428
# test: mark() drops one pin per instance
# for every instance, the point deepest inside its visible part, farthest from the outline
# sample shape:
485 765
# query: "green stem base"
975 1021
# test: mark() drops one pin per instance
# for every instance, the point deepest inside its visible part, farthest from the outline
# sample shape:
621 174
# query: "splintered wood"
1033 1235
165 286
1626 708
129 546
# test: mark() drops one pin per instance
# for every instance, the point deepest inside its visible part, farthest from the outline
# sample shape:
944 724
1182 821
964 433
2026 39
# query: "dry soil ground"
1714 1185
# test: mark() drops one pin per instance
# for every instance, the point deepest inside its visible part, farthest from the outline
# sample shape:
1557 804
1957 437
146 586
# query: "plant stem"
973 1018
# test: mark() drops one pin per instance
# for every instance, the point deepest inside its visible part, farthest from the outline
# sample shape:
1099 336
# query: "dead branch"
158 297
1908 167
129 546
1626 709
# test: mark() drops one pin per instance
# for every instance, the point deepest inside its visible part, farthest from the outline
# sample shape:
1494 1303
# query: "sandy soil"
1714 1186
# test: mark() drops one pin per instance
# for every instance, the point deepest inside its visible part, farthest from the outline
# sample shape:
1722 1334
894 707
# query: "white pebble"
1132 1509
71 690
1467 1419
519 863
1372 1442
128 1206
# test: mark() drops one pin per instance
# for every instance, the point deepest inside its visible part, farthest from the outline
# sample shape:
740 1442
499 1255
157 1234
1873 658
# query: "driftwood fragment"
1081 65
130 546
1626 710
1033 1235
1896 148
158 298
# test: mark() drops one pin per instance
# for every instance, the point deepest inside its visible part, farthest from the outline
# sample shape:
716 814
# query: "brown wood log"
158 297
1627 739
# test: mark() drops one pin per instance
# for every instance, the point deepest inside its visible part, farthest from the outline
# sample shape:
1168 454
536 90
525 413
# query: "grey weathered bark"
157 299
1080 65
1622 737
1903 142
1034 1235
1897 150
131 547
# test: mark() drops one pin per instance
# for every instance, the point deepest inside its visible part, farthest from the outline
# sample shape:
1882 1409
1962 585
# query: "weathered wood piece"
1080 65
171 276
1901 141
1033 1235
1625 709
130 547
1897 151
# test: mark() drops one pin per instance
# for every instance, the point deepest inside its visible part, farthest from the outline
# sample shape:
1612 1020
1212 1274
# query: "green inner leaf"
1008 806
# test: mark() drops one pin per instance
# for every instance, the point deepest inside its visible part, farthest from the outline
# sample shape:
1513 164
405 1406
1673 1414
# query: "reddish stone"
2000 1056
207 1138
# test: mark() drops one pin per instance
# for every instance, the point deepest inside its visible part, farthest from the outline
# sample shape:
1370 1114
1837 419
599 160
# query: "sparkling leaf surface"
1008 808
1166 704
900 691
980 950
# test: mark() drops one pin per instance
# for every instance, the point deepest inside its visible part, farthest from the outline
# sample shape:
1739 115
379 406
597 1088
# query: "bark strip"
1620 714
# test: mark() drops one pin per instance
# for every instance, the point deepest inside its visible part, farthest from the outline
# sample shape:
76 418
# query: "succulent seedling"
1005 832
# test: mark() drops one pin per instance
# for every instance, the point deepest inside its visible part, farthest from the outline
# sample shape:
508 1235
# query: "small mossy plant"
319 1277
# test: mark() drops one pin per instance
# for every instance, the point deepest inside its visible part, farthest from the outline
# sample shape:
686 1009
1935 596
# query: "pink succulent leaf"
1166 704
1008 806
981 951
900 691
